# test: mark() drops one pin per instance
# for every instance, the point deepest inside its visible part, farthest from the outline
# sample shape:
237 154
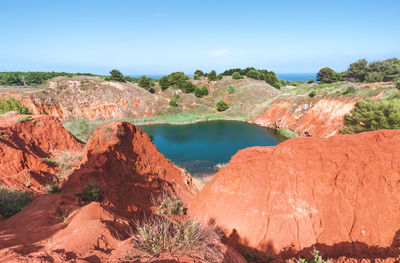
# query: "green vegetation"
312 93
199 73
253 74
222 105
158 235
170 205
12 104
201 91
196 77
33 78
116 75
12 201
49 161
146 83
327 75
231 89
80 128
26 118
236 75
91 193
311 80
370 115
317 258
54 186
286 134
163 82
397 83
212 76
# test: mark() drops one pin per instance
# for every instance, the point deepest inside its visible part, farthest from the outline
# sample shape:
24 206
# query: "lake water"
201 148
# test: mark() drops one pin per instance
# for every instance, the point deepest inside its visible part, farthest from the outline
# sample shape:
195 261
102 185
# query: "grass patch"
53 187
286 134
12 104
169 204
26 118
91 193
158 235
12 201
81 128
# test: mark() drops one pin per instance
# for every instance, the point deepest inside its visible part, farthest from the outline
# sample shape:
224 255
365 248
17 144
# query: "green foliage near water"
370 115
286 134
328 75
222 105
12 104
12 201
253 73
311 80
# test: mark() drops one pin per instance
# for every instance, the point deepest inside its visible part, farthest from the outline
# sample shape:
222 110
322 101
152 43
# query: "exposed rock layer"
339 192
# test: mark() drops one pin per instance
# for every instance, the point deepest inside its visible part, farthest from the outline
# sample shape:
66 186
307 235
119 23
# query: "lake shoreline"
155 122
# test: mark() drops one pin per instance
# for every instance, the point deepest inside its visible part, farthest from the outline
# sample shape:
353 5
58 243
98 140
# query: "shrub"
286 134
91 193
236 75
397 83
116 75
349 90
327 75
196 77
173 102
212 75
12 201
311 80
199 73
80 128
53 187
145 82
201 91
374 77
253 74
231 89
169 205
222 105
11 104
164 83
370 115
317 258
26 118
50 161
158 235
312 93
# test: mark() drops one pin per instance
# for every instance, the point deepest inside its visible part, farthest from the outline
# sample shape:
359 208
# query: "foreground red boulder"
341 193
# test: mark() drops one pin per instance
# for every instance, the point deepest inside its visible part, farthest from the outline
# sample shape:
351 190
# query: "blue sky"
160 36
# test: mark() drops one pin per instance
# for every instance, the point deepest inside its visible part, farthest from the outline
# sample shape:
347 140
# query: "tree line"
362 71
17 78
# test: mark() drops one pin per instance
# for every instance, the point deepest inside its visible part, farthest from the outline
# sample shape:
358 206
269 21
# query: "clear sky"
162 36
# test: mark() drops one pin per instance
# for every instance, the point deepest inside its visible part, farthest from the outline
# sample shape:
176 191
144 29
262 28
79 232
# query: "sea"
285 76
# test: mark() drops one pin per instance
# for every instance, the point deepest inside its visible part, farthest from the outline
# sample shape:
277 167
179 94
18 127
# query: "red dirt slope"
340 192
24 144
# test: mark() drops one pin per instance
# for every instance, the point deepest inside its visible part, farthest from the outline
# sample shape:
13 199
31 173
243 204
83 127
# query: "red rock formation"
340 192
59 227
24 144
322 119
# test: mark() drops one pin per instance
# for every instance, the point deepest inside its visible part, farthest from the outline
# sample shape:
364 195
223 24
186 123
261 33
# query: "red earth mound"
121 160
340 194
25 143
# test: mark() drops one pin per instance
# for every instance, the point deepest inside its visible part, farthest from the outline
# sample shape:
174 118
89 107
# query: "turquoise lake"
201 148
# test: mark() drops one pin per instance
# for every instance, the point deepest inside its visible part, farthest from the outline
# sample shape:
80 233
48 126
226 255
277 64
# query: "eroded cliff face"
92 99
339 194
62 227
323 118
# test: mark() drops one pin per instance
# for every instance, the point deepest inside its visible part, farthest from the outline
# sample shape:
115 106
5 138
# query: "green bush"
236 75
116 75
201 91
53 187
328 75
231 89
12 104
317 258
164 83
199 73
26 118
397 83
311 80
212 76
12 201
49 161
222 105
170 205
349 90
173 102
253 74
312 93
370 115
158 235
91 193
374 77
196 77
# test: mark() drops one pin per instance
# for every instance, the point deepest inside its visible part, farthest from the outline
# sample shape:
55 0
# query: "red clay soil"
60 227
24 144
339 193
